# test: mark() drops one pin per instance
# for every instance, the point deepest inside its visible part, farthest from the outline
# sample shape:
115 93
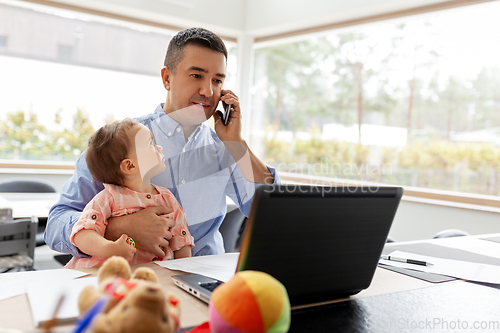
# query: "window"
67 73
412 101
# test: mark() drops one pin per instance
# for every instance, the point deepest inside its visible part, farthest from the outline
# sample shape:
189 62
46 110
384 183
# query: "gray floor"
44 258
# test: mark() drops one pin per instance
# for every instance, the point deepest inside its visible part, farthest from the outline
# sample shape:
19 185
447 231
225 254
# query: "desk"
28 204
39 204
15 312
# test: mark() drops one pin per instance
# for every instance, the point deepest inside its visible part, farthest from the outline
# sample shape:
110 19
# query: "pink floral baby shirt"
117 200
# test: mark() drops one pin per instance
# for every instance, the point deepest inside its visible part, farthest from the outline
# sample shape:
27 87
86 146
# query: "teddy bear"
130 303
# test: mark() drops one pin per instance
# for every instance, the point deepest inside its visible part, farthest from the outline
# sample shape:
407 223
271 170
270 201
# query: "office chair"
17 244
25 185
29 185
451 233
390 239
231 229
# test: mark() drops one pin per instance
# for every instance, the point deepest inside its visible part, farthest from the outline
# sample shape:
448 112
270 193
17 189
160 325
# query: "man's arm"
241 191
148 228
75 195
252 168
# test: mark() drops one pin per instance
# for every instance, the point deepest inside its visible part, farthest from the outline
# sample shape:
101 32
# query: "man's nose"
206 88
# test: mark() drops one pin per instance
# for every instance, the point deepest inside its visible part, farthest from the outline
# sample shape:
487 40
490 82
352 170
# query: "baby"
124 157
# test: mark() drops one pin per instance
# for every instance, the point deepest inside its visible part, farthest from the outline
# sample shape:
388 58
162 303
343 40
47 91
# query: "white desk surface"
39 204
28 204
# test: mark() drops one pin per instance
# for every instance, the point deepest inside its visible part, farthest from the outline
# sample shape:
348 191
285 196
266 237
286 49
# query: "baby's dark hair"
108 147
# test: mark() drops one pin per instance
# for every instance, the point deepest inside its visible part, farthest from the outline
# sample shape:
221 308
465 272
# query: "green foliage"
448 156
23 137
439 164
395 76
23 134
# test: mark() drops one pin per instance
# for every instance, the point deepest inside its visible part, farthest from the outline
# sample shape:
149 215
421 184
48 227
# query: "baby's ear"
128 167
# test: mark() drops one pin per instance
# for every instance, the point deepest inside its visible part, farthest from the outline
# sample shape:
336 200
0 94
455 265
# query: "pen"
87 317
408 261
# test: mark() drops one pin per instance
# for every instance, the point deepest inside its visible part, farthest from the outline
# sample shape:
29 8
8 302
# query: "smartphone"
226 115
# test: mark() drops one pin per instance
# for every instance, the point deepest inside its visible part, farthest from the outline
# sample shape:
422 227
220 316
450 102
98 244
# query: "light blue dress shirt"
199 172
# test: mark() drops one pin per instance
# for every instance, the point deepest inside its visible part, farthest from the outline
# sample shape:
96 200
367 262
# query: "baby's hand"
122 247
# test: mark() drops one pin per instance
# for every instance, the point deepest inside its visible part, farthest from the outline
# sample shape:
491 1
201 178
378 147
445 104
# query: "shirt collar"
164 122
168 125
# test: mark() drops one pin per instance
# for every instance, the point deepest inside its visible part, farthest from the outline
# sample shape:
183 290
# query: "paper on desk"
456 268
14 284
220 266
43 299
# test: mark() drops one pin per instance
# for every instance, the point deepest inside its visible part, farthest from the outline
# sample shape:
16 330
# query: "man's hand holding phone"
250 166
226 115
228 124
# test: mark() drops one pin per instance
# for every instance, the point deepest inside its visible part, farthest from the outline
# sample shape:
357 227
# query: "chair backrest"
26 186
231 229
18 236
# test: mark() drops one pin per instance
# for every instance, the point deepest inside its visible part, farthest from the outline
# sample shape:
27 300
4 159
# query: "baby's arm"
184 252
90 242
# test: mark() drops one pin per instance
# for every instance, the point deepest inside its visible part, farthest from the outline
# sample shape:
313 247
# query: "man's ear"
165 76
128 167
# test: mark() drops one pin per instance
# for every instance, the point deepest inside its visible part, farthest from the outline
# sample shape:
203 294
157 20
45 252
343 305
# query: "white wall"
267 17
225 17
416 220
255 17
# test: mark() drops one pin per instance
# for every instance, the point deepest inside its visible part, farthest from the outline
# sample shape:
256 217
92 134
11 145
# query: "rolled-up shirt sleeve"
241 191
75 194
95 215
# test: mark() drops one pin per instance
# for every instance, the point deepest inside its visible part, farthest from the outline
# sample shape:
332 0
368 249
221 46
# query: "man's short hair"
108 147
196 36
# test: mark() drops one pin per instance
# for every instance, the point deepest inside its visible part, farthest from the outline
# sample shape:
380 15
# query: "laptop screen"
321 242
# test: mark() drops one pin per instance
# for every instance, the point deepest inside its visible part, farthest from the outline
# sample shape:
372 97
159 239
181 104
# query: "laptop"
320 242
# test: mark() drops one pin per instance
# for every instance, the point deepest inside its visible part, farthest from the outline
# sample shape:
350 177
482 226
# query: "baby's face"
149 156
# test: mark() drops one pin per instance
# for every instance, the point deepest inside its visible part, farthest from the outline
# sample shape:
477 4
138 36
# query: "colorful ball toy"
251 302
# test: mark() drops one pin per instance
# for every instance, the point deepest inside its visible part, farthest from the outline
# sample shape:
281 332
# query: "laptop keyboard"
211 285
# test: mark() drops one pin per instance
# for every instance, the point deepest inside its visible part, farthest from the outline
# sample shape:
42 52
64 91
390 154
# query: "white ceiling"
257 18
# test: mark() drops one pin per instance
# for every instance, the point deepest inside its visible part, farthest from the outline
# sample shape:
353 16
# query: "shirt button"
94 217
169 133
178 129
183 181
148 196
183 150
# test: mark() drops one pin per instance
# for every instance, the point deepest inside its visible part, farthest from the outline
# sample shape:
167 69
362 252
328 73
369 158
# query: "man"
202 166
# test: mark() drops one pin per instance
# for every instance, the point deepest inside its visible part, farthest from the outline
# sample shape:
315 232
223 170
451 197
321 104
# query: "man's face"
198 79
